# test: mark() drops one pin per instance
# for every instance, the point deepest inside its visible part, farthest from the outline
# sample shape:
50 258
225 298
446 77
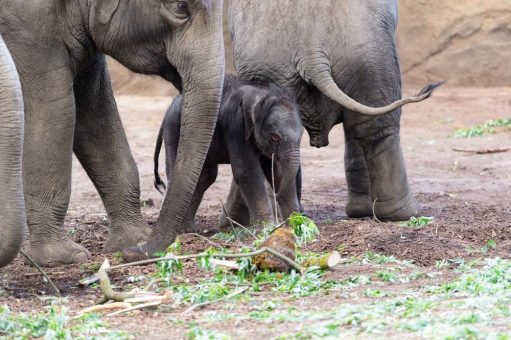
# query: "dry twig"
374 214
226 214
132 308
273 188
106 286
29 259
205 239
227 297
483 151
50 273
102 308
225 263
233 222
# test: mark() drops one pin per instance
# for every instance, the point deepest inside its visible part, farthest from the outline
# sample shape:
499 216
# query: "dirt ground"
468 195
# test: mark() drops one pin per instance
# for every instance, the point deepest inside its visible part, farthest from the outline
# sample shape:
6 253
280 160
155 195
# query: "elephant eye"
274 138
182 7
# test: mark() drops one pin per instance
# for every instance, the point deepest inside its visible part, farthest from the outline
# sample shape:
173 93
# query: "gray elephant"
339 57
58 48
255 122
12 204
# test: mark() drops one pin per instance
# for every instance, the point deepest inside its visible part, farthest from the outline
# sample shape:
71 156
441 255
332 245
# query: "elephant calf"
255 121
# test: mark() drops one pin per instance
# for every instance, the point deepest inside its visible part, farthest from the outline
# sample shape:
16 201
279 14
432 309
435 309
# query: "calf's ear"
105 9
248 116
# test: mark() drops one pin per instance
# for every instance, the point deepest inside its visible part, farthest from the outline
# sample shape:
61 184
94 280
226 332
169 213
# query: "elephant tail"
158 183
324 82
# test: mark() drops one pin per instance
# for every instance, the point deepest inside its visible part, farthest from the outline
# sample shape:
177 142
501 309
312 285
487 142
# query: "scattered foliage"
418 222
304 228
54 324
489 127
491 244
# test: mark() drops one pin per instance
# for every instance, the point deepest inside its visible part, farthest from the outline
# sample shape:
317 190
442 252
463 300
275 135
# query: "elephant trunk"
12 204
287 195
202 73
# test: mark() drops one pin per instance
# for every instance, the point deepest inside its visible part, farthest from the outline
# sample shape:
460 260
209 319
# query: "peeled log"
281 240
324 262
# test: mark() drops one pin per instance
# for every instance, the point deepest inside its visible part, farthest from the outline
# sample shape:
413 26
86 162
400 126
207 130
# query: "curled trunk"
287 195
12 204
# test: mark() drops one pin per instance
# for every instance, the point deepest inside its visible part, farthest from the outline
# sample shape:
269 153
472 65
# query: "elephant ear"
105 9
252 105
247 108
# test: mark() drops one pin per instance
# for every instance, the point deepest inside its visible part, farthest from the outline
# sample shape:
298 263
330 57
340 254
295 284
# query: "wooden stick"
57 291
227 215
102 308
242 226
483 151
225 263
144 305
205 239
374 214
106 286
151 297
50 273
273 187
227 297
232 222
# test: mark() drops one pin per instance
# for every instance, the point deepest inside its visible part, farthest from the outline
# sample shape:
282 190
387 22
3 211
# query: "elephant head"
273 120
12 204
182 41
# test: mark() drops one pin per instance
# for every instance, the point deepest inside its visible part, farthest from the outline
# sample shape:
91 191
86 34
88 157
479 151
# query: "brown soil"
469 196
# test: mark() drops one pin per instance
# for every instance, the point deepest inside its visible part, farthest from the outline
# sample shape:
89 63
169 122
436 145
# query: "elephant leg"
357 179
253 189
206 179
12 204
236 208
48 150
101 146
379 139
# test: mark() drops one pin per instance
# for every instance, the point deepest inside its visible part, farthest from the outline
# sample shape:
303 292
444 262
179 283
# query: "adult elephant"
12 204
339 57
58 47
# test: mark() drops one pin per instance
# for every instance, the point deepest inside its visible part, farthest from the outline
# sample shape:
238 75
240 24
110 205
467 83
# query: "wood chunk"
327 261
283 241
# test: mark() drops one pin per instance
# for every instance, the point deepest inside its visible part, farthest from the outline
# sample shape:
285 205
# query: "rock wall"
467 42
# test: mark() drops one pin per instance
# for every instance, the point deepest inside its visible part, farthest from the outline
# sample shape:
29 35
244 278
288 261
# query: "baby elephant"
255 122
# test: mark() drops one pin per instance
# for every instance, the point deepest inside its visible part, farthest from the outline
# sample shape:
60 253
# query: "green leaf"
304 228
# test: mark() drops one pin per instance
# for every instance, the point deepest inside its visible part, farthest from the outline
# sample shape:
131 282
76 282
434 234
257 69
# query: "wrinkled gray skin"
12 204
317 48
58 47
254 122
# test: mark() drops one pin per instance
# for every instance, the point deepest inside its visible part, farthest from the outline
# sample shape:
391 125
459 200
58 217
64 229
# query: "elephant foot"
242 217
401 210
54 254
145 251
125 236
359 206
191 228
